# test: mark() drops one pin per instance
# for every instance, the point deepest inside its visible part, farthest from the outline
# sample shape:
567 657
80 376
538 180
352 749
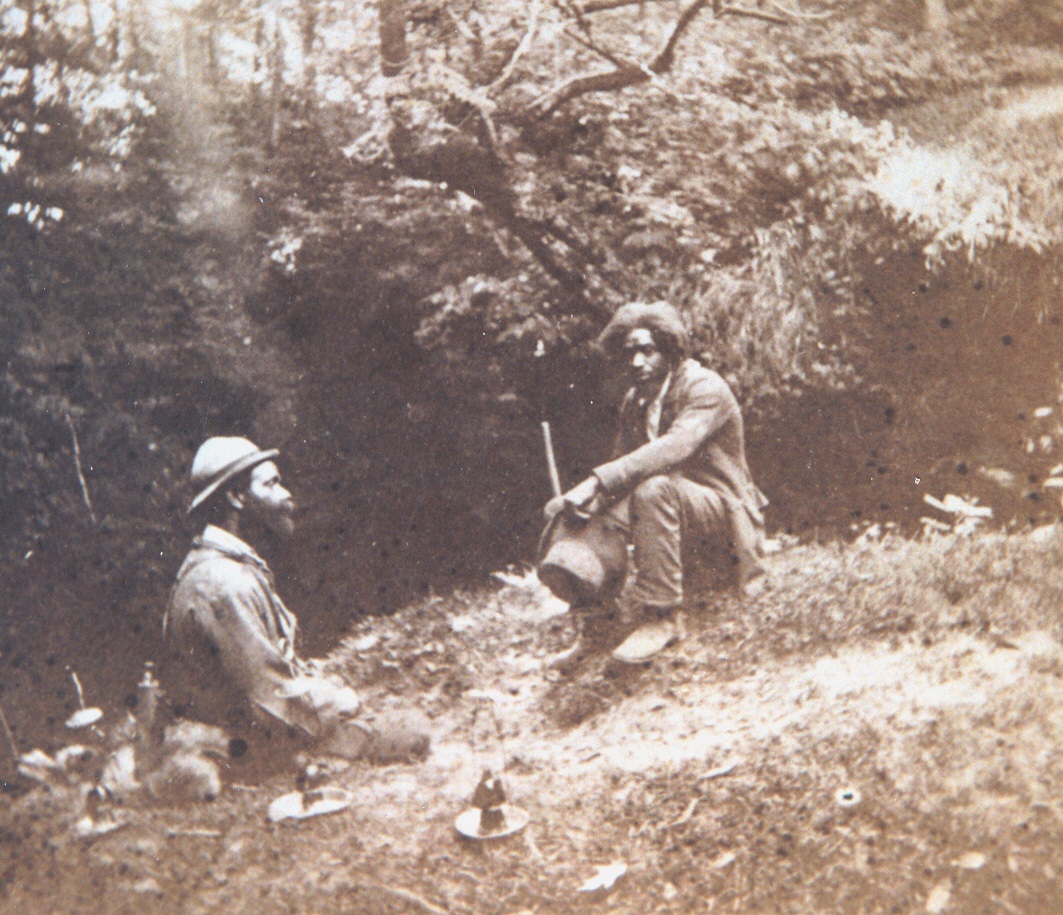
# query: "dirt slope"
880 732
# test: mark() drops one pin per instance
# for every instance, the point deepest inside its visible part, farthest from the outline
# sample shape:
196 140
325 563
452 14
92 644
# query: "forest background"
381 235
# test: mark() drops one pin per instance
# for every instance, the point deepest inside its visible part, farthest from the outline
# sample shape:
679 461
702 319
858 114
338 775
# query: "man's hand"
585 497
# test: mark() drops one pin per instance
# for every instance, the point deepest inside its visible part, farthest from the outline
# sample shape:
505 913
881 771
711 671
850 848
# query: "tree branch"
662 63
529 36
608 81
77 467
753 14
598 6
625 74
621 63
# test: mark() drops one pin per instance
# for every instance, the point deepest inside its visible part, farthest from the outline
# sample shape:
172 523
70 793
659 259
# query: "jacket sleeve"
247 652
707 406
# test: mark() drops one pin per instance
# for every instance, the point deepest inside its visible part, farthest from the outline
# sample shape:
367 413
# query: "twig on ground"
77 686
407 895
599 6
10 736
77 467
685 816
753 14
623 63
532 847
785 10
718 773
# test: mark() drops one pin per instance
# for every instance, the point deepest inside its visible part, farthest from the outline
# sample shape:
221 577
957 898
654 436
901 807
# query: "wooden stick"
77 467
10 736
551 462
406 896
753 14
77 686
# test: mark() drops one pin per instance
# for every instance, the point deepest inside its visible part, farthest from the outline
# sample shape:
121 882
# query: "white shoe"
648 640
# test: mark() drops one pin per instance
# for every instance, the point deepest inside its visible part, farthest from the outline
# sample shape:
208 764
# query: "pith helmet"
221 458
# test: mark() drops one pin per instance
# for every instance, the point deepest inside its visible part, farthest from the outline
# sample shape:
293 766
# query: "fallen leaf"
604 878
728 857
147 886
36 765
366 642
119 772
1003 478
972 861
939 898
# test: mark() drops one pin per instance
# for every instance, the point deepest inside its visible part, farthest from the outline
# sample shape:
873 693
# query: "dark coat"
701 438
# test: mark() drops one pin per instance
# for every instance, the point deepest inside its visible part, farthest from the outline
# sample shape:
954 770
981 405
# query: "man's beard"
281 524
278 523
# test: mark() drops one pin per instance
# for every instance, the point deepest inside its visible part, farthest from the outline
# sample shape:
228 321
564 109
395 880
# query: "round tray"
514 819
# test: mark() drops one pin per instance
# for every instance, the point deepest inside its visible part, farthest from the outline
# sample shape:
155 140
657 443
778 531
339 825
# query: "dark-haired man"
678 480
232 640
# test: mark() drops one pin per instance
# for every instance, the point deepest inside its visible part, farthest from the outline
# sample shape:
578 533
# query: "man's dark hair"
216 509
659 318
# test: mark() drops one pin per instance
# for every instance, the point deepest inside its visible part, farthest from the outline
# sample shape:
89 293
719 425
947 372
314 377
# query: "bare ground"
881 732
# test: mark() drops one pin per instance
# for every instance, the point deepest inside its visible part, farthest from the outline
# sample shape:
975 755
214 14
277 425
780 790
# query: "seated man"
678 481
231 639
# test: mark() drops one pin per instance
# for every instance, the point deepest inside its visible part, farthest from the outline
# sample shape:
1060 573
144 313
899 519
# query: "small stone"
972 861
939 898
149 885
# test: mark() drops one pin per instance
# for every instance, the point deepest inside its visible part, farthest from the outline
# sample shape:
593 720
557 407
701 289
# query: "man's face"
646 364
268 501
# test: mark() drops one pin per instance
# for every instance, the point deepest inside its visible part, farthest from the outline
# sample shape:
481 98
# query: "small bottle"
151 723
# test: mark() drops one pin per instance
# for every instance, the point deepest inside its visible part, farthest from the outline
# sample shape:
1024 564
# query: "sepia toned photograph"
514 457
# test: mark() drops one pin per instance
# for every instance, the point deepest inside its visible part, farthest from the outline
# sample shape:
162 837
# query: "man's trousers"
681 529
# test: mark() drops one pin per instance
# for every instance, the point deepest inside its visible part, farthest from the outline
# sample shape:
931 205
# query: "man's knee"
654 491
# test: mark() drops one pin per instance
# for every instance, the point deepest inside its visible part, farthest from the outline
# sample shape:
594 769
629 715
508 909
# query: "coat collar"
220 540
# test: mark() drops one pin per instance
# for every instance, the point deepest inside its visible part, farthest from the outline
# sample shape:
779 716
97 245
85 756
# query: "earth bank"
878 733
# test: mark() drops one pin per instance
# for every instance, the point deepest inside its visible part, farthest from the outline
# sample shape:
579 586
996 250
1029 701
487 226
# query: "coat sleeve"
706 407
249 655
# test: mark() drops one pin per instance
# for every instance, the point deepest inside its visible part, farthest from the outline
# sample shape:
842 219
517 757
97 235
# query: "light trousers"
681 530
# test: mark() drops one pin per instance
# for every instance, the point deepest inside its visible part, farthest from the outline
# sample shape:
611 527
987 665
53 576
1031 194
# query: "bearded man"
678 483
232 640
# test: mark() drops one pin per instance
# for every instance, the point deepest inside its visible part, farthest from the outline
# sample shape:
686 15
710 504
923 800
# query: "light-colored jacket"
233 641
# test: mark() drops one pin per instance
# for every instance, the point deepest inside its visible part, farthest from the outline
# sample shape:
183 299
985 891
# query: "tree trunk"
308 14
276 84
32 57
392 36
